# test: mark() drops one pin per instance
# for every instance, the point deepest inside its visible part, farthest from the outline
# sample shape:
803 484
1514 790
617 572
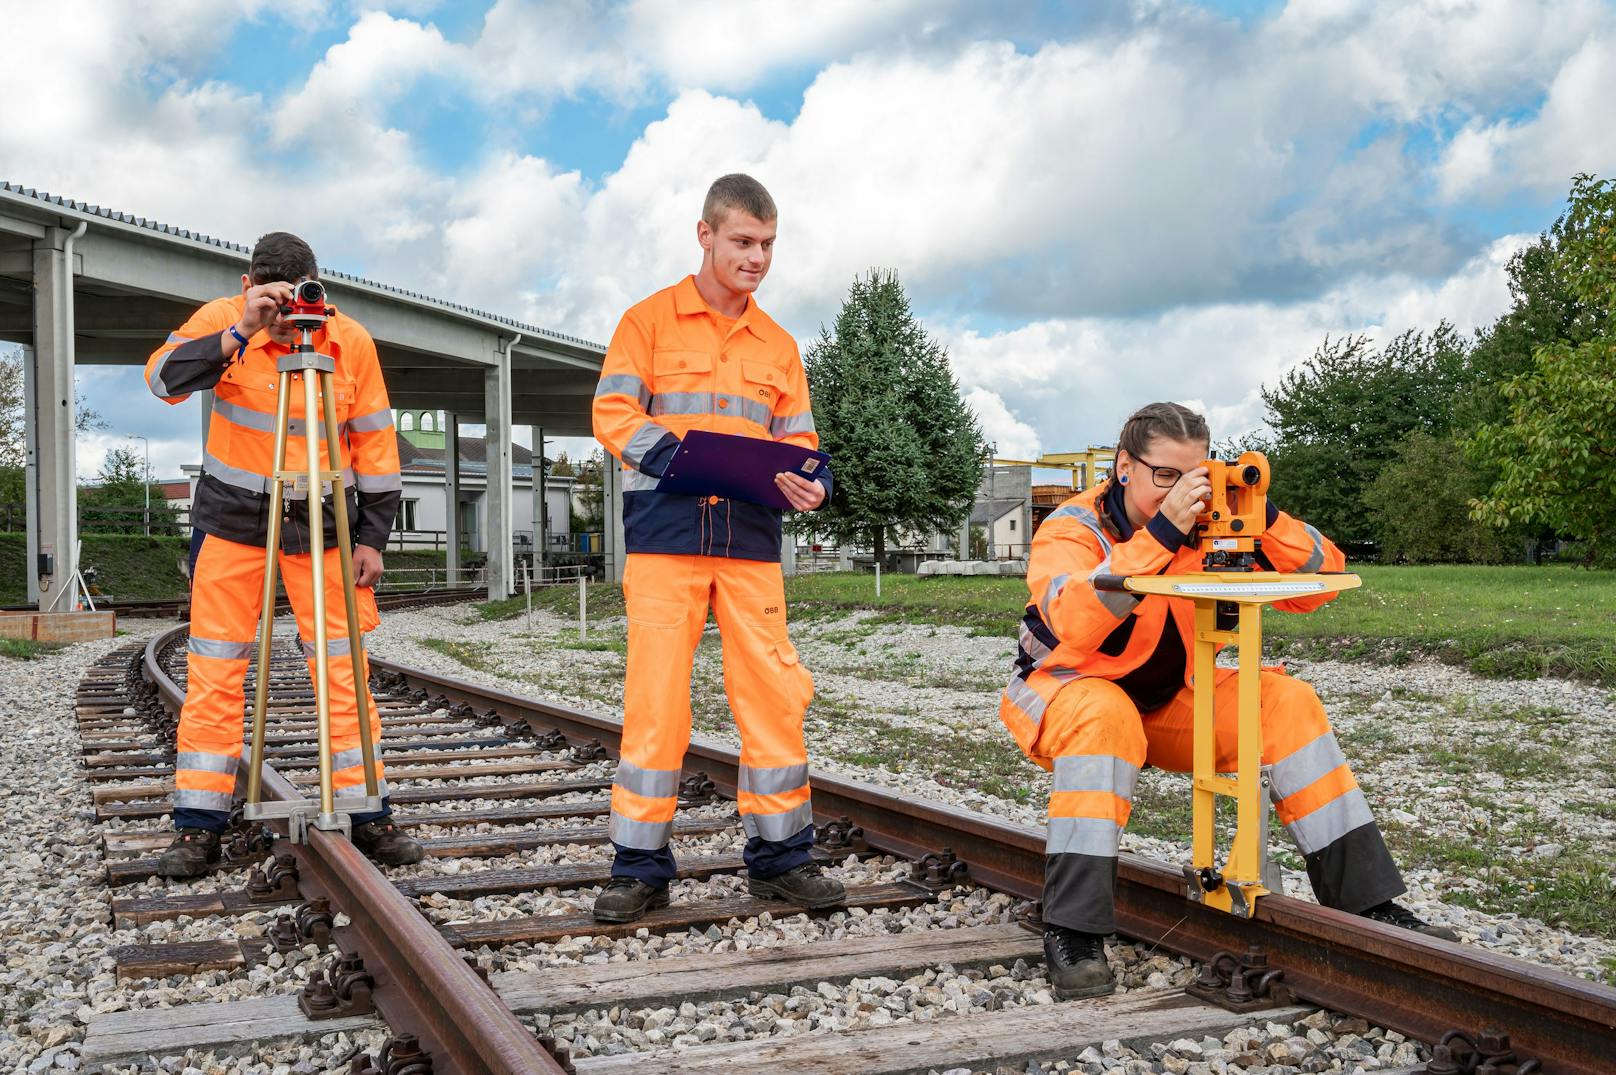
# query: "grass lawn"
1512 622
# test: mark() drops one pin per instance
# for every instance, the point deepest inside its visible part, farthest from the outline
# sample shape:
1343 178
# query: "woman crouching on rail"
1102 688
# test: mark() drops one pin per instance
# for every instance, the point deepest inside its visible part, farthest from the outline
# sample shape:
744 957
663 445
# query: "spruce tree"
906 451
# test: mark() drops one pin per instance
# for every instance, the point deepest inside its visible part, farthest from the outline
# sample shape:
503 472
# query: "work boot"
1395 914
385 843
1076 962
625 899
190 855
805 885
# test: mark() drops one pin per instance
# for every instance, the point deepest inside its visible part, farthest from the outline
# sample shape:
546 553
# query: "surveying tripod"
307 313
1229 593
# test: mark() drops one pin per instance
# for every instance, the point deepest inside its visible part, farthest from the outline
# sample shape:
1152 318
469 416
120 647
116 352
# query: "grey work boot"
626 900
1395 914
385 843
805 885
190 855
1076 962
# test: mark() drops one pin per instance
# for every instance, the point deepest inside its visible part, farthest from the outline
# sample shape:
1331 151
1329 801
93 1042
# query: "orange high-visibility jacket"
671 367
1072 630
232 496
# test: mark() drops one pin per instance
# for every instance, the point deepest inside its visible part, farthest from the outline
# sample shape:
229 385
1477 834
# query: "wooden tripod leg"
339 494
266 622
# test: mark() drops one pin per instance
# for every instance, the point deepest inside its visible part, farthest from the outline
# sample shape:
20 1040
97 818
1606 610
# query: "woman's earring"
1123 478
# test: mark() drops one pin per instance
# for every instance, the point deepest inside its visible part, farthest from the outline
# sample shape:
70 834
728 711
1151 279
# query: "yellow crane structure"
1086 467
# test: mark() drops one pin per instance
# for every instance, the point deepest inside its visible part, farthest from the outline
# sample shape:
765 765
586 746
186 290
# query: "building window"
406 422
427 421
1012 526
406 515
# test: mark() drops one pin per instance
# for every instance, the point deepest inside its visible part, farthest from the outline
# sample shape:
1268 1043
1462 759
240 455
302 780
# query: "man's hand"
367 565
803 494
1187 499
263 305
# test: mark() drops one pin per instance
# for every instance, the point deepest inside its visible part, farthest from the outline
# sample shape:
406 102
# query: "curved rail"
423 986
1405 981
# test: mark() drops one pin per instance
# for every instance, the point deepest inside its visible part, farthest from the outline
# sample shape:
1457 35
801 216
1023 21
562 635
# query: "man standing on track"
231 346
702 355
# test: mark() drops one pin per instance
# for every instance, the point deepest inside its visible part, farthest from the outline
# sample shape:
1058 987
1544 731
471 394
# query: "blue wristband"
239 339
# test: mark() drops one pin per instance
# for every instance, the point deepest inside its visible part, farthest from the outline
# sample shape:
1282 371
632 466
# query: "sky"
1093 205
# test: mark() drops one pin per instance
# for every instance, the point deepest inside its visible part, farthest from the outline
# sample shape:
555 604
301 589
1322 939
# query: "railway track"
459 956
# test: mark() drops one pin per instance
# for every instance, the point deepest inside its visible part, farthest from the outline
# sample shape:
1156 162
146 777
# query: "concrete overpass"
83 284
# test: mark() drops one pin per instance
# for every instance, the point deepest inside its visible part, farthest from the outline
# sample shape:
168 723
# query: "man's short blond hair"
737 191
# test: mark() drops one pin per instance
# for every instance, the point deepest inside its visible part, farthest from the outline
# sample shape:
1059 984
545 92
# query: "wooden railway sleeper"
401 1055
344 989
1488 1053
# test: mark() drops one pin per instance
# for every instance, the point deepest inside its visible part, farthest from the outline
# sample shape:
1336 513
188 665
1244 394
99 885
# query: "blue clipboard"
737 468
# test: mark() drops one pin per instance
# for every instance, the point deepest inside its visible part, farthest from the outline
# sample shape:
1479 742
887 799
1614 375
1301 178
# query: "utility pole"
145 482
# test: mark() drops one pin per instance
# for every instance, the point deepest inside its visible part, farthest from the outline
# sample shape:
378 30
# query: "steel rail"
423 986
1393 977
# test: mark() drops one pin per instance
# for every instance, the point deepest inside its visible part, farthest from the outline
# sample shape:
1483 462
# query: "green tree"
906 451
1420 506
1336 416
114 505
1555 449
591 514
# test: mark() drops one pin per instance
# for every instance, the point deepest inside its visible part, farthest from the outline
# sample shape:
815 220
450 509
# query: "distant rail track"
502 773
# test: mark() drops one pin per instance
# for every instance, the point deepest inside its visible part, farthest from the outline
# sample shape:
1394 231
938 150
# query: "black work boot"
190 855
805 885
1076 962
385 843
625 899
1395 914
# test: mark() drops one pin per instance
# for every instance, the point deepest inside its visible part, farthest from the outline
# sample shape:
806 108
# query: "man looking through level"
231 346
702 355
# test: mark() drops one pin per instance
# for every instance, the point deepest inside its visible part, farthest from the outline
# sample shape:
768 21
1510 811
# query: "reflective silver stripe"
1034 648
374 422
1289 775
709 403
650 783
1026 698
157 386
245 416
175 337
1050 593
1324 826
1062 672
623 384
644 439
377 483
780 826
641 835
291 493
347 759
1096 836
1117 602
786 425
187 799
1087 518
224 651
1096 772
219 470
775 781
358 790
334 647
1315 559
636 482
206 763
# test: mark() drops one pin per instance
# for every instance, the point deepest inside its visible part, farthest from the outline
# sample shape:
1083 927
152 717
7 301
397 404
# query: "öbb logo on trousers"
772 610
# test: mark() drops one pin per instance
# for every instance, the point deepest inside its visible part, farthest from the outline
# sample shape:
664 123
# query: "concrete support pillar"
49 412
611 481
451 492
965 539
541 512
501 535
788 552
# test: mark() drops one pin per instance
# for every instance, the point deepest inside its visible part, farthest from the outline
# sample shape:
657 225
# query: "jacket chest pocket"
763 382
681 382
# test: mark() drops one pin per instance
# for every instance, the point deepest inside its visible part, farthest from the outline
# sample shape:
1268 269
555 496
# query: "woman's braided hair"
1171 420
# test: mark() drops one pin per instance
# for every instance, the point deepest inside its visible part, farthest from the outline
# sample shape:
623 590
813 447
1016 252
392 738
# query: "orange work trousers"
227 589
1096 741
667 599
